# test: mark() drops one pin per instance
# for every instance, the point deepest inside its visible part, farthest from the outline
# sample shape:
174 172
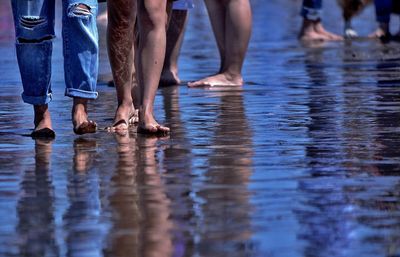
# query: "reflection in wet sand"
177 163
226 230
36 224
327 223
83 234
141 208
301 161
339 206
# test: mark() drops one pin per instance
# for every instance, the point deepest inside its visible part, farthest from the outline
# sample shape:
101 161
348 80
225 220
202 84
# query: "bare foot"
42 121
169 78
329 35
379 33
80 118
222 79
124 116
314 31
312 36
148 125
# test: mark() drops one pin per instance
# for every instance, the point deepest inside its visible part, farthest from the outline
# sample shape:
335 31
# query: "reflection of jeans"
311 9
34 29
384 8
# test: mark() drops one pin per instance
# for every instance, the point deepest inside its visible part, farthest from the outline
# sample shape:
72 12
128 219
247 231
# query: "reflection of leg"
43 149
35 209
120 36
175 33
231 22
124 199
156 228
83 154
151 54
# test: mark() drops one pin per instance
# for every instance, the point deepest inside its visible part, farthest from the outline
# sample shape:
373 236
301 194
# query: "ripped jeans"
34 30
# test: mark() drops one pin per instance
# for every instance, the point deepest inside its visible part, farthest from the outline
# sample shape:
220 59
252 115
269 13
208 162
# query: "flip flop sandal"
86 127
43 133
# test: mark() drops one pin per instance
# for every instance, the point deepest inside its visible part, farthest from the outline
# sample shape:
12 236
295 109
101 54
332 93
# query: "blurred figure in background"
312 28
231 21
383 9
351 8
175 35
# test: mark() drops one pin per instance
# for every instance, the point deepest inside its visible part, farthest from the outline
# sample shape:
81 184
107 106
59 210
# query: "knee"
33 29
81 21
80 10
121 17
154 18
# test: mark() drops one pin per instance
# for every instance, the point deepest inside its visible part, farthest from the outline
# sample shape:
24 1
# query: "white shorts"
183 5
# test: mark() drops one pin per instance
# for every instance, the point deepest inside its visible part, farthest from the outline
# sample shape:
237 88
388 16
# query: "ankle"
125 104
145 110
79 105
308 25
41 112
232 74
40 109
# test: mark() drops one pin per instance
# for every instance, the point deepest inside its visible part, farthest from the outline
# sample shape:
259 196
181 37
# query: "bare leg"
152 43
175 33
217 14
314 31
43 127
231 23
120 41
80 121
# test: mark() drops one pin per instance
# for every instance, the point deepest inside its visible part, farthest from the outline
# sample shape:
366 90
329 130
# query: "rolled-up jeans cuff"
311 14
37 100
72 92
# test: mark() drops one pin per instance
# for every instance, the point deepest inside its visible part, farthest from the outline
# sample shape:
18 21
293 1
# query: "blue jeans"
183 5
384 8
311 9
34 30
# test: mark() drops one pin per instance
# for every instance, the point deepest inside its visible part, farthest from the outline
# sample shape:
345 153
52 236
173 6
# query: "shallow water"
301 161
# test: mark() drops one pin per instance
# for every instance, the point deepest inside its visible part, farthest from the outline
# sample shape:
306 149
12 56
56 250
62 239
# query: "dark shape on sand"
43 133
86 127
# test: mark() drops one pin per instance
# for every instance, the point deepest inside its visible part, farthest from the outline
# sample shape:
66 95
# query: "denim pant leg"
81 48
311 9
396 7
383 9
34 30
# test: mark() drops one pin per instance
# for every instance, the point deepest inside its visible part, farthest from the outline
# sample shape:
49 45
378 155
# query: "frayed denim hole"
31 22
79 10
21 40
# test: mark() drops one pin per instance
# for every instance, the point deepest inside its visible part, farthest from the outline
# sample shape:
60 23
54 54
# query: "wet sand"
302 160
